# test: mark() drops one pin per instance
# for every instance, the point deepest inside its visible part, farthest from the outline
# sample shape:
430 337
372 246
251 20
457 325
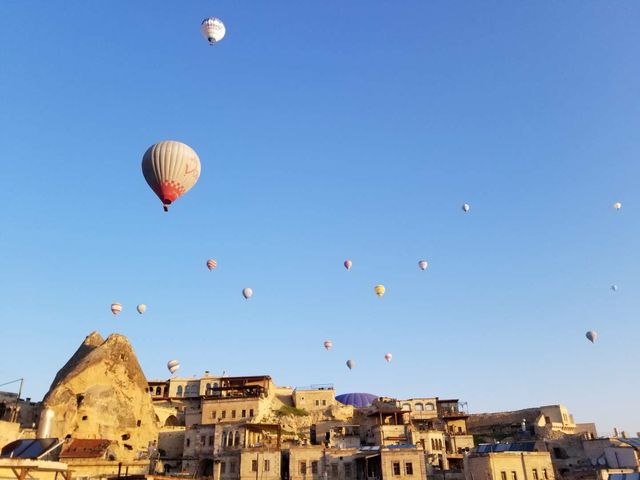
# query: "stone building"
508 462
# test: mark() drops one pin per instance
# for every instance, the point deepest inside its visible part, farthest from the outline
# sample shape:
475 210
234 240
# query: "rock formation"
102 393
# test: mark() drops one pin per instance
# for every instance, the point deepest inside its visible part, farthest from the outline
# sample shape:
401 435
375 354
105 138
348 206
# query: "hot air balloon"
388 357
328 344
379 289
614 288
141 308
591 336
213 29
173 365
350 364
423 264
465 207
617 205
171 169
347 264
211 264
248 293
116 308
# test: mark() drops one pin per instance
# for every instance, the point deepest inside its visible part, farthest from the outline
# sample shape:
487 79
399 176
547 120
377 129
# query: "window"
544 474
210 440
535 474
233 414
223 414
547 420
254 465
267 465
396 468
158 391
303 468
503 475
213 414
347 470
317 403
433 444
179 391
188 442
324 402
237 439
429 407
514 476
408 468
203 440
223 467
314 467
244 413
419 407
251 412
224 441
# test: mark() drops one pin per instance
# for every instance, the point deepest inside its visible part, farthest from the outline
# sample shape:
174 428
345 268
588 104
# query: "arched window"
406 406
230 439
179 391
224 439
208 390
158 391
419 407
429 407
237 439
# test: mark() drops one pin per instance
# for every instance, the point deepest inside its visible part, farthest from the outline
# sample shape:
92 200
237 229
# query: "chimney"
206 373
615 432
624 434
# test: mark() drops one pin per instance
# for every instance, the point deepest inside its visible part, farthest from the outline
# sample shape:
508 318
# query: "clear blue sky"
331 130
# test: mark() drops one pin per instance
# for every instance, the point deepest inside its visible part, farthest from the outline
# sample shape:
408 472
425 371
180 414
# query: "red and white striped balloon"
116 308
211 264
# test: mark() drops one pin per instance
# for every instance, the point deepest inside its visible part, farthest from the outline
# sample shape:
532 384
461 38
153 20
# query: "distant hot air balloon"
116 308
328 344
379 289
423 264
171 169
347 264
388 357
617 206
350 364
141 308
173 365
614 288
211 264
465 207
213 29
248 293
591 336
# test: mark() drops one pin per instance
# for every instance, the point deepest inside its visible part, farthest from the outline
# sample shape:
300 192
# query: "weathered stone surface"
101 392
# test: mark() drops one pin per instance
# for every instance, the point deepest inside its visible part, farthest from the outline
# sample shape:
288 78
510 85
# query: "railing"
317 386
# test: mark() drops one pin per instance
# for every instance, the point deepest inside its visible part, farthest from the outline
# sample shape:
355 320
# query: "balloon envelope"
347 264
614 288
328 344
141 308
379 289
357 399
211 264
388 357
350 364
617 205
213 29
465 207
247 293
116 308
423 264
171 169
591 336
173 365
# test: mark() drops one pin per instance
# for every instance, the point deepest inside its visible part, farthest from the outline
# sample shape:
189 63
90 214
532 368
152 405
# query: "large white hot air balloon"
423 264
171 169
465 207
116 308
141 308
173 365
247 293
617 205
328 344
591 336
388 357
213 30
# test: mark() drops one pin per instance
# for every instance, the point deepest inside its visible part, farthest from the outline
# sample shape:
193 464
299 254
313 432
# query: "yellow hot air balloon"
379 289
